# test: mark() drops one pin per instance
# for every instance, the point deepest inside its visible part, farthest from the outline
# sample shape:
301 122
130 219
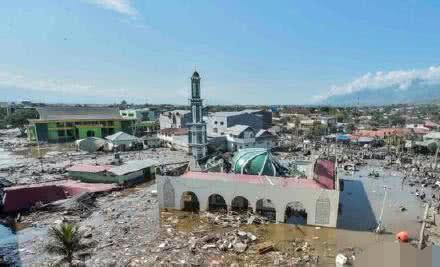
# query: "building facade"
70 123
175 119
242 136
262 194
197 138
139 115
219 122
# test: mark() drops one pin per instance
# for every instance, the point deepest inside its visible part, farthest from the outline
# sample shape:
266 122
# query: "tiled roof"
254 179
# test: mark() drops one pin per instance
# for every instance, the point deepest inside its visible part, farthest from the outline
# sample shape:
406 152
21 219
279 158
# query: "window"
61 133
221 123
130 115
215 122
110 123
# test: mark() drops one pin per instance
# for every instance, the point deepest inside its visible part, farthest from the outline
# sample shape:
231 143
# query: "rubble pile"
30 164
220 238
234 219
80 205
119 226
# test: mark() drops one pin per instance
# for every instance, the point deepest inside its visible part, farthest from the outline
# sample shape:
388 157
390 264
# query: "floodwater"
363 197
361 205
47 149
326 242
7 159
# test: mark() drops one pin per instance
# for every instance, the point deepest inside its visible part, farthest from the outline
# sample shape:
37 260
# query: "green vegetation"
65 241
18 119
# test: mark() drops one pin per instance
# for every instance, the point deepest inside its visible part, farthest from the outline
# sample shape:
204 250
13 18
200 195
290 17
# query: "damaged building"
256 184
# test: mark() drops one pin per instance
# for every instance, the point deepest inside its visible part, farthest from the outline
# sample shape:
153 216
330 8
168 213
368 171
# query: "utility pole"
436 154
380 227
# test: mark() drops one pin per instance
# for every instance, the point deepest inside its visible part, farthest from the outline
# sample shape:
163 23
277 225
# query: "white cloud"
401 79
121 6
52 86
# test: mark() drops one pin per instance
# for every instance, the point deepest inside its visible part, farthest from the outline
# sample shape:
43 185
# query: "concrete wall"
222 122
251 120
321 205
166 120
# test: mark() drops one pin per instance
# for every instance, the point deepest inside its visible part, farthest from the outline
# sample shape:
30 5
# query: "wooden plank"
422 230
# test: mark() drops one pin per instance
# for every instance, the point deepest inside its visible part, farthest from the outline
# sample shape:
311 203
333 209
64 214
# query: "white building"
175 119
317 204
219 122
242 136
175 137
433 136
121 138
144 114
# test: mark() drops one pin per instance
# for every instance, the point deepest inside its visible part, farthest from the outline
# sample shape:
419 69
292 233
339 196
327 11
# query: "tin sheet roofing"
89 168
132 166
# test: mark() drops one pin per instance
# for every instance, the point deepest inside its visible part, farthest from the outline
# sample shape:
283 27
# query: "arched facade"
320 205
322 215
189 202
266 208
295 213
216 202
240 203
169 194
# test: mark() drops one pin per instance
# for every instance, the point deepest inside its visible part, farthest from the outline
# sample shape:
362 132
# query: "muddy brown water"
326 242
361 201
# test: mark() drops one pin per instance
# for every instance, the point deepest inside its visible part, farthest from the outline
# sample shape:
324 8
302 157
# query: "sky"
247 52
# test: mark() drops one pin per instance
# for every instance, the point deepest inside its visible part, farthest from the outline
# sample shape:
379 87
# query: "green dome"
256 161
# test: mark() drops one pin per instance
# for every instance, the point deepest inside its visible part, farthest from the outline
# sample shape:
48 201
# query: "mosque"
256 181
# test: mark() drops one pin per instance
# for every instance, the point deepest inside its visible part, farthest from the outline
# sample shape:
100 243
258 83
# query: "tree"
20 118
397 120
65 241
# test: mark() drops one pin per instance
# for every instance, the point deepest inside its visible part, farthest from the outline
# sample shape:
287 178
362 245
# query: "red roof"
174 131
254 179
381 133
89 168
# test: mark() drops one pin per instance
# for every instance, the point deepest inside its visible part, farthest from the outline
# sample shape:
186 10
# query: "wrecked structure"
22 197
257 185
131 172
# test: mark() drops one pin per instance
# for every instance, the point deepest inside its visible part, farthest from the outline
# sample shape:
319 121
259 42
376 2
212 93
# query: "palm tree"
66 241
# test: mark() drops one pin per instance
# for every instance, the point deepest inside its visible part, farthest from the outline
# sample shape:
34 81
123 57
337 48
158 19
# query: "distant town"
158 184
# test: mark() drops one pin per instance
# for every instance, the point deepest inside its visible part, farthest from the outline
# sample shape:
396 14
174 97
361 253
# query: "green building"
69 123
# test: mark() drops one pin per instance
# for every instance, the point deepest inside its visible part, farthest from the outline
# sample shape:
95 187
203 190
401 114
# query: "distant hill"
417 93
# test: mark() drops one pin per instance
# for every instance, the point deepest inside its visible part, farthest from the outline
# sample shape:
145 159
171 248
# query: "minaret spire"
197 139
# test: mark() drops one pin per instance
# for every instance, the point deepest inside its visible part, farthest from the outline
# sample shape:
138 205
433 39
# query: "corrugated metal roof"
233 113
237 129
78 113
432 135
121 136
263 132
133 166
89 168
